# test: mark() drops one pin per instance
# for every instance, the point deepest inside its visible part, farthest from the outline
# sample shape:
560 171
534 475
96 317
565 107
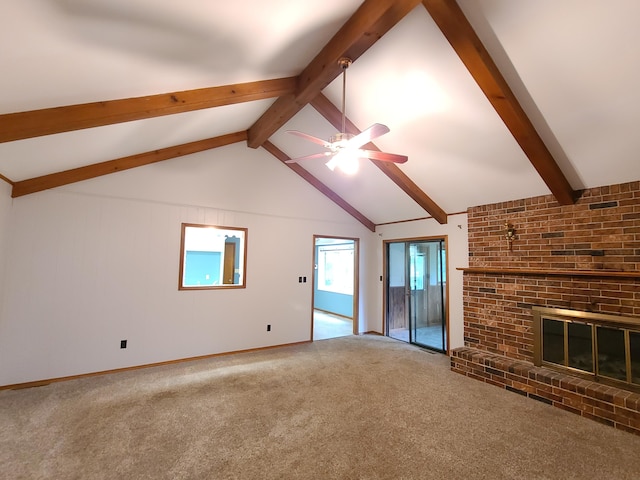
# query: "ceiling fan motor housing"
339 140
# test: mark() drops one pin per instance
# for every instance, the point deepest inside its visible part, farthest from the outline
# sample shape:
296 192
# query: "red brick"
588 399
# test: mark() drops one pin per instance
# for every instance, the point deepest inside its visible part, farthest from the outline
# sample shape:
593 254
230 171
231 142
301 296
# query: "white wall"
456 232
94 263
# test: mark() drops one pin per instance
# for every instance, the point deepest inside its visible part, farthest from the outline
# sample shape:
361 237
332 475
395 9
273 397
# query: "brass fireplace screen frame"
583 321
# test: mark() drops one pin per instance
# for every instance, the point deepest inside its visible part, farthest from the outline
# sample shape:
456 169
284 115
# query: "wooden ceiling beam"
5 179
365 27
35 123
464 40
334 116
334 197
74 175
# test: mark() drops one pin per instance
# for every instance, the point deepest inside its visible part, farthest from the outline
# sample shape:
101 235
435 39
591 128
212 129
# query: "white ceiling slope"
572 64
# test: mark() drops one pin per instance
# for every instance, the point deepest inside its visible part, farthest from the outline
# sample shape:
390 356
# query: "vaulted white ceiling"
572 64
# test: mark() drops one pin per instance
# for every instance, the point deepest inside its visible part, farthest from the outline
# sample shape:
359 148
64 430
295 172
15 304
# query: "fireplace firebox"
602 347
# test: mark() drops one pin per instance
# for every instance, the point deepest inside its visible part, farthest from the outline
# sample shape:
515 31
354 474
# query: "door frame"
229 263
385 277
356 278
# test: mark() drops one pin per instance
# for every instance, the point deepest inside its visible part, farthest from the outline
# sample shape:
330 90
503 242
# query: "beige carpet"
348 408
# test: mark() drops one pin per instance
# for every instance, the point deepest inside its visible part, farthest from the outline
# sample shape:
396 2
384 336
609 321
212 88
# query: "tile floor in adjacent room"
428 336
326 325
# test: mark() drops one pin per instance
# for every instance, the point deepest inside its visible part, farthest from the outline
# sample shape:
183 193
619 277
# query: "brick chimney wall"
600 232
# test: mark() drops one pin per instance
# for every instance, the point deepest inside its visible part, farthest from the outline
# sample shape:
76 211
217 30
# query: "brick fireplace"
583 257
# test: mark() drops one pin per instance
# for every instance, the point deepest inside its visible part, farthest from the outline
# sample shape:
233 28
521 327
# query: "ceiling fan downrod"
344 63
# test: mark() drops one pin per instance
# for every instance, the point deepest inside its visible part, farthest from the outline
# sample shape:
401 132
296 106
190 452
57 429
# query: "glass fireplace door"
600 346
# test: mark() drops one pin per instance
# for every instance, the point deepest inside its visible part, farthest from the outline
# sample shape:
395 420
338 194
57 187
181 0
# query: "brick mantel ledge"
605 404
563 273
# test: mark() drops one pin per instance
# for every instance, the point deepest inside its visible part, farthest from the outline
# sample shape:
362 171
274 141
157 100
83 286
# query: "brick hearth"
609 405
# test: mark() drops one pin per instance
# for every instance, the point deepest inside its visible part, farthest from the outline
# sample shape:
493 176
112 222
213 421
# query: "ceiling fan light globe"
333 163
350 166
347 160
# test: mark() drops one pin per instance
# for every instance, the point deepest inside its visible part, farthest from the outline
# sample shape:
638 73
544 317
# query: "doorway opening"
415 292
335 287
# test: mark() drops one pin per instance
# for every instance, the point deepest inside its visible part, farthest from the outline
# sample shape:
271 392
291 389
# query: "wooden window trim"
182 287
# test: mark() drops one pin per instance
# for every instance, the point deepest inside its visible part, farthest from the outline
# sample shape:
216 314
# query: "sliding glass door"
415 292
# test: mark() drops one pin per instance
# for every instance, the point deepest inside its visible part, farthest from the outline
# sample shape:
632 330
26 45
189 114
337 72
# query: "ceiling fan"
344 148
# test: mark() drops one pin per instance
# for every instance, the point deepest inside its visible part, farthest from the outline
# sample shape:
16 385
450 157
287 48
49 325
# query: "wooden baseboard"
41 383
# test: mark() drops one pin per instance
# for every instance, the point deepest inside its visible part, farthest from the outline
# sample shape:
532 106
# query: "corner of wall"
5 209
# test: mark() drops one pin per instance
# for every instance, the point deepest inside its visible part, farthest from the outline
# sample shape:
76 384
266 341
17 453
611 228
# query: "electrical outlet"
123 344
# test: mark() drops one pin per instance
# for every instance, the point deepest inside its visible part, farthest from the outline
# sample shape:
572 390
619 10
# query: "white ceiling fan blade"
309 157
384 157
311 138
374 131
